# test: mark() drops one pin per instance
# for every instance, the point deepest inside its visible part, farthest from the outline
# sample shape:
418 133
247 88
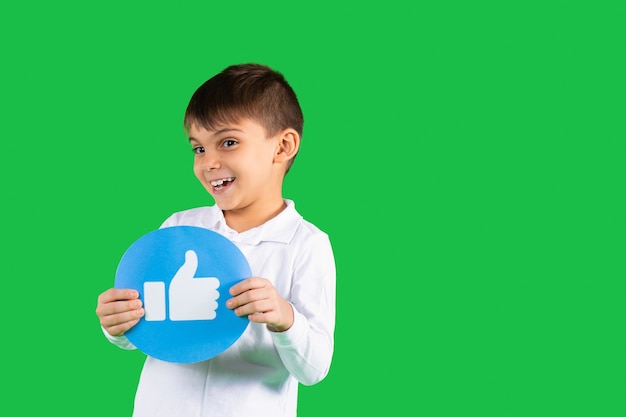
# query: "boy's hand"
119 310
258 299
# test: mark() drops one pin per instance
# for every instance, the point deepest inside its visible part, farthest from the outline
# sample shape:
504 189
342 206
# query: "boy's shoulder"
302 229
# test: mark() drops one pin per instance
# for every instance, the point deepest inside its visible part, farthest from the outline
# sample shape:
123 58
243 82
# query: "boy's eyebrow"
219 132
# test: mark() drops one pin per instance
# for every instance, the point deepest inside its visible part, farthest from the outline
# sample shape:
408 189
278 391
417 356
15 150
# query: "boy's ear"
288 145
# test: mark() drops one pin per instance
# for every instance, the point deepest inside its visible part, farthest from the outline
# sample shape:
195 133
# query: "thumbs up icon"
190 297
179 272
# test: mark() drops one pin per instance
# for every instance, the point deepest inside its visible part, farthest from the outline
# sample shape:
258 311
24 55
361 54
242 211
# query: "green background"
466 159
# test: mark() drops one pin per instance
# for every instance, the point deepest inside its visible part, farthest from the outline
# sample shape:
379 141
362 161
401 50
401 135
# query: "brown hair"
241 91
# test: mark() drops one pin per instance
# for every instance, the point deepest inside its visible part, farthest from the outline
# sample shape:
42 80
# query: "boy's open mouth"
223 183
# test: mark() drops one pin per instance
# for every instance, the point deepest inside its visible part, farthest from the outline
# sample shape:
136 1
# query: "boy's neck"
248 218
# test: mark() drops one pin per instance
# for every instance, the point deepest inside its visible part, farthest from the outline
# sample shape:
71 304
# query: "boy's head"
246 91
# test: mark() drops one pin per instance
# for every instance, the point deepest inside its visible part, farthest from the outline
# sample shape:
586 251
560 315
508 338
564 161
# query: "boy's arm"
306 348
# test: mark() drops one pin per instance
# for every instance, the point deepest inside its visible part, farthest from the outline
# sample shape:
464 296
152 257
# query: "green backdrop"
466 159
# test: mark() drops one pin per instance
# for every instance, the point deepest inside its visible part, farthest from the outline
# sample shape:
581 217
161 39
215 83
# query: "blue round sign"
183 275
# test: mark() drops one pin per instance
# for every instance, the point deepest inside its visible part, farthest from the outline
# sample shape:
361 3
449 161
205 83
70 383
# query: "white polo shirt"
259 374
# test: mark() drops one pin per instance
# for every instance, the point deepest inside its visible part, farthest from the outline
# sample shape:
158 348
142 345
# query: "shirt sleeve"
306 348
119 341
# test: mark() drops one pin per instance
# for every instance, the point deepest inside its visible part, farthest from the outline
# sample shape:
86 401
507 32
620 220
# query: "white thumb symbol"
192 298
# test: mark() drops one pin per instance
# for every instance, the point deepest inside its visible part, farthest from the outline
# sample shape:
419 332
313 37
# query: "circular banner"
183 275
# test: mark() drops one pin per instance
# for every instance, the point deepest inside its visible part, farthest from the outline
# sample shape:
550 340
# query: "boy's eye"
229 142
197 150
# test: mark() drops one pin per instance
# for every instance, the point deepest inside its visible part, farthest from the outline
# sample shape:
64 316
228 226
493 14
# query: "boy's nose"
210 162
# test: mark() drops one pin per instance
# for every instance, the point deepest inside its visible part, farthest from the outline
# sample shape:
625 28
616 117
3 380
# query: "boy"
244 127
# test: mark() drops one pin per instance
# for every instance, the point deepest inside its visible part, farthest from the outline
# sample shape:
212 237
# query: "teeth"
217 183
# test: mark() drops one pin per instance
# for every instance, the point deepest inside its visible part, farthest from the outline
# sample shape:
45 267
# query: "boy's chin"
222 205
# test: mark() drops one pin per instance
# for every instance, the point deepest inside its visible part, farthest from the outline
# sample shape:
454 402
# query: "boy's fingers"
117 294
119 330
117 307
115 320
246 285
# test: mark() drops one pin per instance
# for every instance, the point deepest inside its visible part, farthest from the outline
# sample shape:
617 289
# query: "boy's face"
237 165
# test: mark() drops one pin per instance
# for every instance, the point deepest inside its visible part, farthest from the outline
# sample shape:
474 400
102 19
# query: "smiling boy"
243 170
245 126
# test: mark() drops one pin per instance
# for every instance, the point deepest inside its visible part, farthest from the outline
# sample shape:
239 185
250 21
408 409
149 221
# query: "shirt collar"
279 229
